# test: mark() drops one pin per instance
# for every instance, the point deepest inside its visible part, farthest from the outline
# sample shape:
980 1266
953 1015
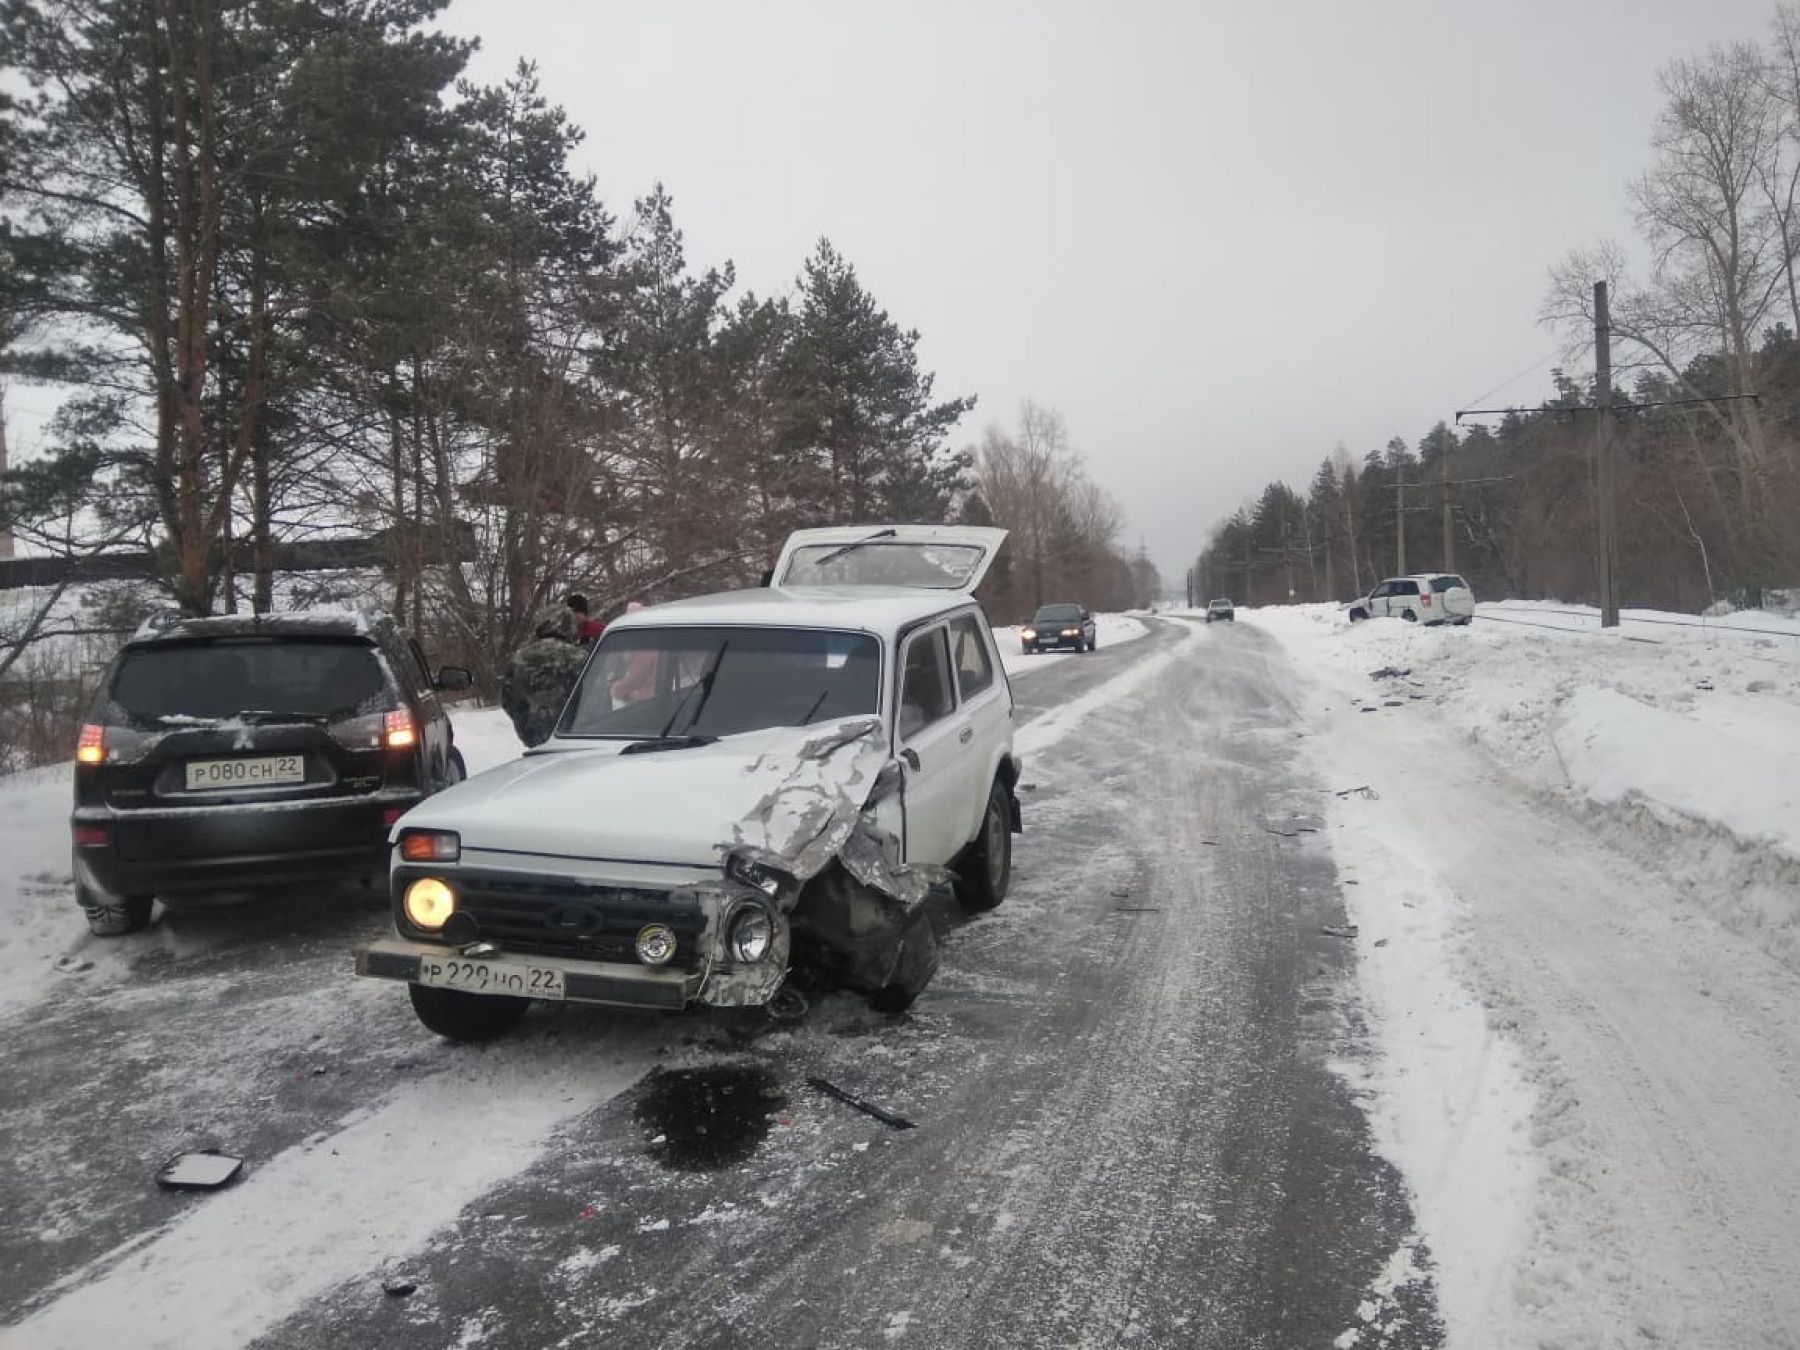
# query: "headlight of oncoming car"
1028 633
751 934
429 903
430 846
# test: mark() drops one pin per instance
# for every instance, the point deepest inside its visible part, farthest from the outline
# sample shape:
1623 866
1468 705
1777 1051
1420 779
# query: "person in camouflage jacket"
542 674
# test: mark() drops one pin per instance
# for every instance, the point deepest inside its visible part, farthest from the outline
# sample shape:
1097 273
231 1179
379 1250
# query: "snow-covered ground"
1575 877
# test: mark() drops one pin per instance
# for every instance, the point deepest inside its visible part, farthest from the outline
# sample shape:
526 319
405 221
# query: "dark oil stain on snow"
705 1120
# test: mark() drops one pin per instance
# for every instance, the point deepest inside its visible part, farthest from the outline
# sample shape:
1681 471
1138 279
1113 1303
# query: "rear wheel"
457 770
1410 617
985 871
457 1016
106 919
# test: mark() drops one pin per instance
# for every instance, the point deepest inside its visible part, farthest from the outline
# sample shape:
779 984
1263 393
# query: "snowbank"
1615 748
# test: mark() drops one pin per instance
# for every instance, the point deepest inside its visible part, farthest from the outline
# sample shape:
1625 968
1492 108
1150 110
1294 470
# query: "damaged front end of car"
812 854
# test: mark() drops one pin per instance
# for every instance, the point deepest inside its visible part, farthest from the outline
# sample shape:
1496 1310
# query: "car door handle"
967 735
911 757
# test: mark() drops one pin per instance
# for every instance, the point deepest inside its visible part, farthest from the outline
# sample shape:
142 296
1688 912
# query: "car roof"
875 609
327 623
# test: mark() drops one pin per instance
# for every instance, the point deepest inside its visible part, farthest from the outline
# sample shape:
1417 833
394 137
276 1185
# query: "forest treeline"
300 276
1708 483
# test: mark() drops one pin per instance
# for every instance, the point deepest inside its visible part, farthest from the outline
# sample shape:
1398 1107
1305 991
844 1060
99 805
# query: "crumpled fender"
813 812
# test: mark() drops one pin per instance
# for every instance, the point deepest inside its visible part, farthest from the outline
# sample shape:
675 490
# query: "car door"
986 710
930 739
1403 596
1377 601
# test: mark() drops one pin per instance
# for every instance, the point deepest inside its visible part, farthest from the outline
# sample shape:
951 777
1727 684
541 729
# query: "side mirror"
452 680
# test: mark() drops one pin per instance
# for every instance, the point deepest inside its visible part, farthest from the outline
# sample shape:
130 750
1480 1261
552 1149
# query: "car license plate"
490 977
211 775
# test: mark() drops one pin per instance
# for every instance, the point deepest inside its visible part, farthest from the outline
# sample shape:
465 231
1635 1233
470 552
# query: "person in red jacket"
587 627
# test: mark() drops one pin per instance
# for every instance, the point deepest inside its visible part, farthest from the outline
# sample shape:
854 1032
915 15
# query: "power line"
1535 365
1617 408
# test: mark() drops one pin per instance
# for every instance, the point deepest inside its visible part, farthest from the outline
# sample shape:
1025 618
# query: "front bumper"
584 981
195 850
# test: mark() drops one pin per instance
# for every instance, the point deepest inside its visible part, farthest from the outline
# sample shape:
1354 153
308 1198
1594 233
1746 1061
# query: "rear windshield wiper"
656 743
267 717
853 545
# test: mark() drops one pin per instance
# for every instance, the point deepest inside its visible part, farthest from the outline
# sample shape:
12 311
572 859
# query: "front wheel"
1358 615
916 963
457 1016
985 871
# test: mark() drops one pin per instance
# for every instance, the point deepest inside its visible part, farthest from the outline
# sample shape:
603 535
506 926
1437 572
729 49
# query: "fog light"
655 944
429 903
751 933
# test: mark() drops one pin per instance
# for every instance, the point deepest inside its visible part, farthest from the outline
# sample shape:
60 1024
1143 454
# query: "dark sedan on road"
1220 610
230 754
1059 626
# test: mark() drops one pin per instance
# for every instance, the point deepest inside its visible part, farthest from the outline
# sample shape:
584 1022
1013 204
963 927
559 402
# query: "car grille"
565 918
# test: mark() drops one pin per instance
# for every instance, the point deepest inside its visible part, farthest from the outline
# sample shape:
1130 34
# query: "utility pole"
1606 485
1449 529
1400 517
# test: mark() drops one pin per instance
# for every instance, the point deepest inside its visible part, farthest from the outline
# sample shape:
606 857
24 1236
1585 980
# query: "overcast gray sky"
1220 237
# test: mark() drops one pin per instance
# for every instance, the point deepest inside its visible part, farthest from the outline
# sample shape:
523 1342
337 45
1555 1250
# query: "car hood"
772 792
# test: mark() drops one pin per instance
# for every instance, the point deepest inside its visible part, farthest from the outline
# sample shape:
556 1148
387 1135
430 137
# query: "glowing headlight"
1071 632
655 944
429 903
752 931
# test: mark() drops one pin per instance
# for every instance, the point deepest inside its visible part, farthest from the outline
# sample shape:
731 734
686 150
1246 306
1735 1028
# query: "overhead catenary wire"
1514 379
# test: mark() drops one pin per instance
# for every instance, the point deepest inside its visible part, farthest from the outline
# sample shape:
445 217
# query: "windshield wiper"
655 743
855 544
263 717
704 686
807 717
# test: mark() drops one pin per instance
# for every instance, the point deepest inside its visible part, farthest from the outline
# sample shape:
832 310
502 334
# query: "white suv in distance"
743 788
1425 597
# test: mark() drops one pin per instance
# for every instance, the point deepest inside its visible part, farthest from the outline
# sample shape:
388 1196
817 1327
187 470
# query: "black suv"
241 753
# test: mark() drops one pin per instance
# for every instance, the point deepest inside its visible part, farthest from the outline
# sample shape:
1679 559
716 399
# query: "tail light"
91 748
1425 600
88 836
400 733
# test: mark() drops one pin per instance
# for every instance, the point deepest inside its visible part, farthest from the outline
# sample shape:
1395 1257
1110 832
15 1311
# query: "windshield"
1058 614
216 681
653 681
934 566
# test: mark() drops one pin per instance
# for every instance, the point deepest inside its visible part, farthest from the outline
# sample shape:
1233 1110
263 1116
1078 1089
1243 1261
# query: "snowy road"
1130 1127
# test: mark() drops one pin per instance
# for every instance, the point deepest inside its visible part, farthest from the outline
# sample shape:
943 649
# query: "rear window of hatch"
1442 584
166 684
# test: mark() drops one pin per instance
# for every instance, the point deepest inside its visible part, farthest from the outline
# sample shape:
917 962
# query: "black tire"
115 920
1094 643
984 872
918 962
1358 615
458 768
457 1016
1410 617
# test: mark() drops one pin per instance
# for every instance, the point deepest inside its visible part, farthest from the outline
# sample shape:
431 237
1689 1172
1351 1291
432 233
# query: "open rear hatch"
931 557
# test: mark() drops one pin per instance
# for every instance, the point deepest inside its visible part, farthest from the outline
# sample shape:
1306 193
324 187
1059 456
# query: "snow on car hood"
786 793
